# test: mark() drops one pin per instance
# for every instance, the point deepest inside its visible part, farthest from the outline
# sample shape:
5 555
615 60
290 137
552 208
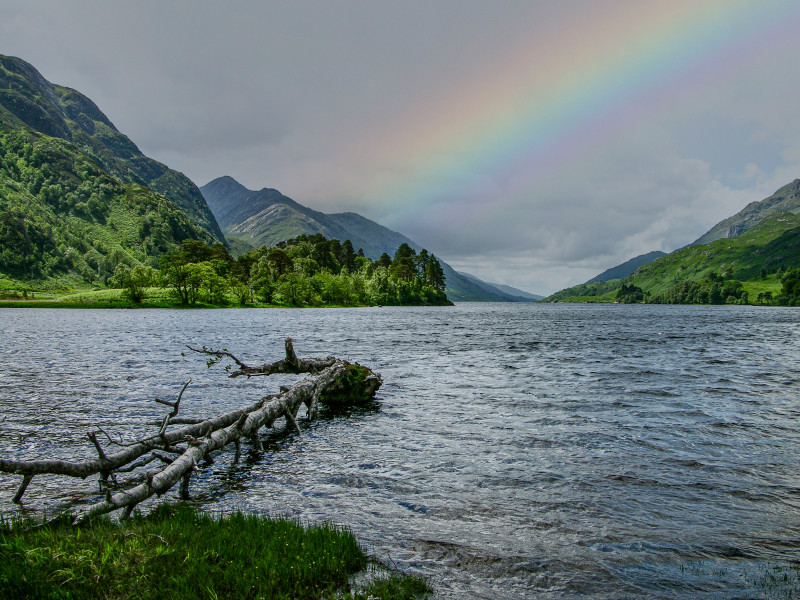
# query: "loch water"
515 451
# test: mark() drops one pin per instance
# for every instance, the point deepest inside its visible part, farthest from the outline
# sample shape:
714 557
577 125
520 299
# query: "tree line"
303 271
712 290
716 289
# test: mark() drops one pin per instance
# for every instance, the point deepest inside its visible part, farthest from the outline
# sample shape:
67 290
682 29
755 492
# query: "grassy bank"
177 552
113 298
155 297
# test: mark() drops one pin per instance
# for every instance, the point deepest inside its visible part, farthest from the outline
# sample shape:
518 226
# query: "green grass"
605 298
394 587
755 287
11 296
177 552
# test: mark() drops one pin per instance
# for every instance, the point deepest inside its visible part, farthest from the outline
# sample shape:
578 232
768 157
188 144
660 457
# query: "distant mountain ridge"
628 267
517 292
510 294
266 217
27 98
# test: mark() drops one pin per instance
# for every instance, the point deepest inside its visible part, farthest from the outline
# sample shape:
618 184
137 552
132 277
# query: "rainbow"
566 92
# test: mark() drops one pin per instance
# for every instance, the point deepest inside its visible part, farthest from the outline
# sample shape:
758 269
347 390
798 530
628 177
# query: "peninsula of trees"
304 271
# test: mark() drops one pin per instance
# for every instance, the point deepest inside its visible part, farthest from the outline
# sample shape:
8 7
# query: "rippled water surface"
517 451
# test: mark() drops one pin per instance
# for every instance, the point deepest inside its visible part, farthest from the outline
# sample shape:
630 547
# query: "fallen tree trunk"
333 382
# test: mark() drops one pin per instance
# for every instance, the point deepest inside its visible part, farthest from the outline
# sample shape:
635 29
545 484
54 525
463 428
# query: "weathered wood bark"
332 381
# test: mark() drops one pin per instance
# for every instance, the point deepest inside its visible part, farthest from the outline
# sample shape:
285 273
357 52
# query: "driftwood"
333 381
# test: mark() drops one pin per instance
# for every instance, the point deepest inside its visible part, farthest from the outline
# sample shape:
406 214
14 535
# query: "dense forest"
304 271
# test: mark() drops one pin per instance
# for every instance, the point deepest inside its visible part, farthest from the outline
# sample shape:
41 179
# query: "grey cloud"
305 96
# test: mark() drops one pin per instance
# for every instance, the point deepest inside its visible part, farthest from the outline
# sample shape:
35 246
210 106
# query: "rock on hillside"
786 199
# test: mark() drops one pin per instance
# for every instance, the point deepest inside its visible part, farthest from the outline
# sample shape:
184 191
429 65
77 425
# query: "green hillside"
628 267
28 99
596 291
739 269
766 246
65 221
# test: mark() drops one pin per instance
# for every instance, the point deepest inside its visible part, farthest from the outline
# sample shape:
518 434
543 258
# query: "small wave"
417 508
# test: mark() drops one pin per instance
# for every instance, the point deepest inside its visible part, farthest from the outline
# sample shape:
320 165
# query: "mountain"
508 293
526 296
628 267
786 199
28 99
64 219
756 257
754 246
771 245
266 217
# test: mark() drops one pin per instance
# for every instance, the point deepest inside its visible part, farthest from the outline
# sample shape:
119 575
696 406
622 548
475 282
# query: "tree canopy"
303 271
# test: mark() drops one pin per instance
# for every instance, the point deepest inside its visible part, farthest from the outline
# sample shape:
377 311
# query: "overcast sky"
532 143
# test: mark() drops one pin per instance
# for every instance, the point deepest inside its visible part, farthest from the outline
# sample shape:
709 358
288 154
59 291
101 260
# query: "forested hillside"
29 101
305 271
64 220
752 268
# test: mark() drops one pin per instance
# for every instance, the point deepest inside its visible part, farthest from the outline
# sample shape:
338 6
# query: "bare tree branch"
290 364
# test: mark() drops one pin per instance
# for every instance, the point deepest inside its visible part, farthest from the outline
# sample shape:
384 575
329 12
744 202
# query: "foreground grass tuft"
177 552
395 587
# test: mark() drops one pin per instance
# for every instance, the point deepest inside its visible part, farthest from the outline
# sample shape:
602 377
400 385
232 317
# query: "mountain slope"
65 221
786 199
757 243
628 267
29 99
266 217
517 293
771 246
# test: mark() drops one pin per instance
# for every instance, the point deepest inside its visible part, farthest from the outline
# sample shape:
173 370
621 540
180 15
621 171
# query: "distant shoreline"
122 304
